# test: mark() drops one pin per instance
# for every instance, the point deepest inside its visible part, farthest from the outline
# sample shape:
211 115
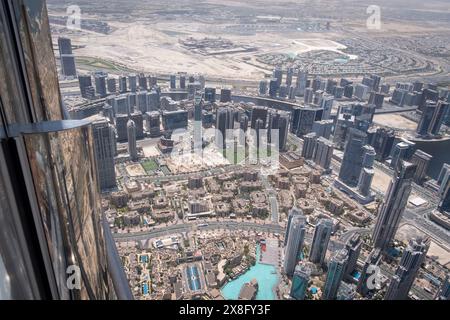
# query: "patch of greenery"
149 165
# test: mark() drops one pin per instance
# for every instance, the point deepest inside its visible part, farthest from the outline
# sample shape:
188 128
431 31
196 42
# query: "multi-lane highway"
210 225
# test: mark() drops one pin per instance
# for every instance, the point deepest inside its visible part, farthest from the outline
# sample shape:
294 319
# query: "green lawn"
149 165
229 154
102 64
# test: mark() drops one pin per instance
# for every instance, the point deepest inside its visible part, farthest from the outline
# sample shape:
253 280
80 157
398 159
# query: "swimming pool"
193 278
265 274
356 274
145 288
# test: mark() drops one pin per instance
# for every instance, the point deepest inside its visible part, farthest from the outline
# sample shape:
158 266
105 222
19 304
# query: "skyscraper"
412 259
85 81
344 123
173 81
48 174
444 176
308 95
438 117
293 212
289 75
424 124
323 128
153 123
309 145
182 81
132 82
401 151
259 126
122 104
316 84
104 147
300 281
291 93
422 160
243 126
210 94
432 117
66 57
278 121
198 108
131 133
307 116
223 122
100 85
263 87
273 87
367 172
294 245
319 245
111 85
393 205
122 84
121 127
153 100
444 204
352 161
336 271
283 130
302 77
225 95
323 153
353 247
258 113
382 141
372 260
142 101
64 45
142 82
278 75
444 290
138 120
361 92
68 67
173 120
326 103
330 85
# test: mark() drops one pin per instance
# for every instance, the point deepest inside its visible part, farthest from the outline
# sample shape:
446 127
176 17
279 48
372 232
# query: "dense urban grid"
348 212
178 225
314 178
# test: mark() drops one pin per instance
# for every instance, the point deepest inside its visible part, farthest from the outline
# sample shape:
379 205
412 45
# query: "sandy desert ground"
407 232
380 181
395 121
154 48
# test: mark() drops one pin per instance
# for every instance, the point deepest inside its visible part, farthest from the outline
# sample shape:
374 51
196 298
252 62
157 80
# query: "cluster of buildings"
213 46
330 120
342 264
360 57
191 267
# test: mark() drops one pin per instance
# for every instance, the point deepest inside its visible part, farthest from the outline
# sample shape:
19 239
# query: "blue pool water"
193 278
356 274
265 275
145 288
144 259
